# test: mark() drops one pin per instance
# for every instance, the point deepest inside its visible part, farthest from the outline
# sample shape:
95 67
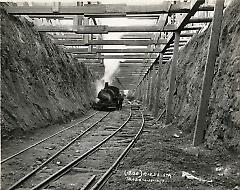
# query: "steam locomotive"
108 98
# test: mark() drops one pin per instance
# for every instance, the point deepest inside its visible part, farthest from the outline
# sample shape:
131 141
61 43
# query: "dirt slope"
224 114
41 85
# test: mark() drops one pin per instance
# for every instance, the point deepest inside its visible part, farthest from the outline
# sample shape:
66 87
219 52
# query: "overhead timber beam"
200 20
150 36
136 50
98 10
108 42
139 62
137 36
46 11
181 26
112 56
104 29
185 21
91 62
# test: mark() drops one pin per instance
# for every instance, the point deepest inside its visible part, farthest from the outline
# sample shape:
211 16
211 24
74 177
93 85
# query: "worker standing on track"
120 101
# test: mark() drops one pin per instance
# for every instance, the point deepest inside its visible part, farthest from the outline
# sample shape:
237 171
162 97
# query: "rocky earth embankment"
224 114
40 84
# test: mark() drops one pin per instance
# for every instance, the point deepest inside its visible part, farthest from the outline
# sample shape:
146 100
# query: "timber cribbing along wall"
224 114
40 84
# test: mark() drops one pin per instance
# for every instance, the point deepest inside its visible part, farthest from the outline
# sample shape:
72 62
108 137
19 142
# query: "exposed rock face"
224 114
41 85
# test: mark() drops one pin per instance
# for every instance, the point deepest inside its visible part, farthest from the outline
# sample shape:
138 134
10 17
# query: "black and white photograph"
120 95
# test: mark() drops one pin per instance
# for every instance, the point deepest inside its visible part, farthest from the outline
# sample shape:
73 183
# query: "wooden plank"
181 41
208 73
112 56
137 36
52 16
71 36
88 61
123 73
199 20
99 10
191 28
107 42
153 28
133 65
180 44
132 61
137 50
133 50
206 8
175 8
152 9
172 85
130 74
187 34
63 10
168 53
104 29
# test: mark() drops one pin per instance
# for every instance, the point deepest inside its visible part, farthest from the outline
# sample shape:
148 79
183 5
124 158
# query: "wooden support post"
149 88
172 82
145 90
136 93
156 100
142 90
56 7
90 47
208 73
99 37
86 36
139 92
78 20
153 87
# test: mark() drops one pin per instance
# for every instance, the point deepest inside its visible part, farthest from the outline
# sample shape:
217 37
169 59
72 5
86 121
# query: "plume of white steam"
99 85
111 69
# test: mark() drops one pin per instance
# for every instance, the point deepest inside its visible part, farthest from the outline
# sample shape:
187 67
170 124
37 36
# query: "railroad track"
90 172
117 140
75 132
45 139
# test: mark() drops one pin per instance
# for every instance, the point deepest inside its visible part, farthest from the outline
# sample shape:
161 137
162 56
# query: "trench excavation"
152 86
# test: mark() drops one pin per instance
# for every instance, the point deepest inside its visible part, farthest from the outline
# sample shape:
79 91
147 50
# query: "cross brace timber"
96 10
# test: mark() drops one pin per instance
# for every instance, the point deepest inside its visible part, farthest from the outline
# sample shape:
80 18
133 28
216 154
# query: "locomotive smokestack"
106 85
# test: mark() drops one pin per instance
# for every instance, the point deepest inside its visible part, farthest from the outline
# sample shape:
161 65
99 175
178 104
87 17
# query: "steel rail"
100 183
20 152
68 167
20 181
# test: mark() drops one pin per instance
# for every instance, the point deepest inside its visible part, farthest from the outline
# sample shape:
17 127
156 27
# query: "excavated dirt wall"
40 84
224 115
